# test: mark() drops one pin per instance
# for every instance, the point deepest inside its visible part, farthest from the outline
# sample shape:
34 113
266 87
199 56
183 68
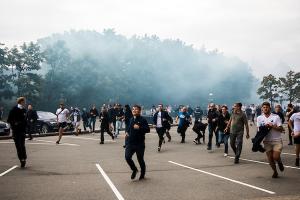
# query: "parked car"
4 128
47 123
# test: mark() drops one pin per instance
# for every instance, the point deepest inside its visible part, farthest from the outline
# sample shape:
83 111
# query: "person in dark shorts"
62 114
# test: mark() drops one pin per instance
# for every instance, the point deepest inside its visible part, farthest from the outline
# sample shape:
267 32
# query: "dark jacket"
17 120
212 114
94 113
136 137
260 135
85 116
104 119
128 116
165 119
119 114
221 121
31 116
112 114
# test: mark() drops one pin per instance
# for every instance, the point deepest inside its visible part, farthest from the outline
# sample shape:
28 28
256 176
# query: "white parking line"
52 142
88 138
265 163
222 177
110 183
12 168
40 143
291 154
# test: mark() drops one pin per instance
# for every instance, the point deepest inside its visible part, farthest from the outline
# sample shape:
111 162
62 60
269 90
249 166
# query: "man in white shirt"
161 119
62 114
294 124
273 140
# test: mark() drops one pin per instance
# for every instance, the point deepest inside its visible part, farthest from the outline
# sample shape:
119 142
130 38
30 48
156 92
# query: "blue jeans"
224 138
118 127
92 123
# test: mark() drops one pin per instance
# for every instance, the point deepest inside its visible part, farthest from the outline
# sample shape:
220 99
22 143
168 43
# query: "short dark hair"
265 104
290 105
224 106
137 106
239 104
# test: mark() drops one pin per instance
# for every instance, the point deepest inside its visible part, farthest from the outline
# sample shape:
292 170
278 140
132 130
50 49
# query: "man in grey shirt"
236 124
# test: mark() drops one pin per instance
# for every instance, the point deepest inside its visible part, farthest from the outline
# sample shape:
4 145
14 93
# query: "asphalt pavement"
80 168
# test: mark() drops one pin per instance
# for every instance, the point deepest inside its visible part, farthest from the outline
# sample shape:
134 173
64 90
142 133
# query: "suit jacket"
166 119
17 120
137 136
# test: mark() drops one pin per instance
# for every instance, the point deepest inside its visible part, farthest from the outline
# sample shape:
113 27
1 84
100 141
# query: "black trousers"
104 129
139 150
30 129
160 131
181 130
20 146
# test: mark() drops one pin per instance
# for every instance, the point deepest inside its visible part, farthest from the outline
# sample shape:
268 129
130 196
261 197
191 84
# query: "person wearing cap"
17 121
62 115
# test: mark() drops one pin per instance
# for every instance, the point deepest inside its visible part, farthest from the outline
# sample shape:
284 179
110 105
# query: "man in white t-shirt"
294 124
62 115
273 140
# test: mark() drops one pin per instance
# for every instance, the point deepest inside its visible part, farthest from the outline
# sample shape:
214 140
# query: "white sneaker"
225 154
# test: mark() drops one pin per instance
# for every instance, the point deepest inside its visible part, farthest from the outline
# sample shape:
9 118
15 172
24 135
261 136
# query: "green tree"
25 63
290 86
57 59
269 89
5 77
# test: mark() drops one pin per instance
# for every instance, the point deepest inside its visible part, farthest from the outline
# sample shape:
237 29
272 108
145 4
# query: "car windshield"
46 115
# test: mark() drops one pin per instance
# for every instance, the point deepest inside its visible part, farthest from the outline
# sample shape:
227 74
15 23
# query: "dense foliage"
88 67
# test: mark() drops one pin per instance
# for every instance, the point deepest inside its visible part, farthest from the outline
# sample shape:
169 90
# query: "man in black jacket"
31 118
212 118
161 120
135 134
17 121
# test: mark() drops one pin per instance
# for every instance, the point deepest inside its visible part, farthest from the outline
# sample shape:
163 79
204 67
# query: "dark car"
47 123
4 128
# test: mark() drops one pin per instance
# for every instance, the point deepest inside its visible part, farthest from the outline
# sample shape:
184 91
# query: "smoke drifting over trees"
88 67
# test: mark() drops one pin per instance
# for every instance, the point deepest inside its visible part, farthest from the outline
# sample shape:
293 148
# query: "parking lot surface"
81 168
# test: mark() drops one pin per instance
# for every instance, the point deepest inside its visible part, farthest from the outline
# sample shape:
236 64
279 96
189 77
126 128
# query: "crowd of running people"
227 125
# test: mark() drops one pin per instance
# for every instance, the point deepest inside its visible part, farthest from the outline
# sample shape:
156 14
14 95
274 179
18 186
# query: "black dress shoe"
23 163
57 142
275 175
133 175
142 176
297 162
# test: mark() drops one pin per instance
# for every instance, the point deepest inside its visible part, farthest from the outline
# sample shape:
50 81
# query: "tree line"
279 89
83 68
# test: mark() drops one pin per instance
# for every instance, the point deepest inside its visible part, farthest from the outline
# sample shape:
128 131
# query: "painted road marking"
222 177
12 168
291 154
41 143
88 138
110 183
265 163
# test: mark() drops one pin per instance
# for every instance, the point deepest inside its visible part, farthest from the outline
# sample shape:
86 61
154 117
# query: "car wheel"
45 129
